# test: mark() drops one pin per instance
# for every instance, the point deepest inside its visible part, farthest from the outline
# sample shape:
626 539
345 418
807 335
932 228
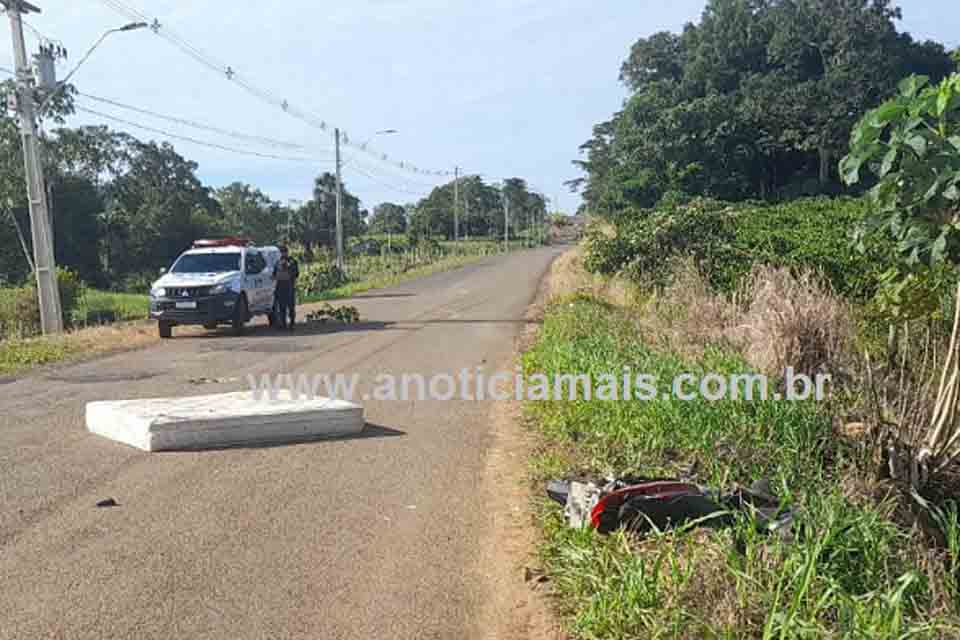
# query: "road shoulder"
513 607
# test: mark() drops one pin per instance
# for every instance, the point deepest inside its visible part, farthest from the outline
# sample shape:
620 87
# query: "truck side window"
254 263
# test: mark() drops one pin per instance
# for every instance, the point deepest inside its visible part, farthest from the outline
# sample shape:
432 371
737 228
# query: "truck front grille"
187 293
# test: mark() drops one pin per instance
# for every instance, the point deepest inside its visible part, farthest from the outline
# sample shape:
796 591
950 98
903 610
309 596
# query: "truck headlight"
158 292
219 289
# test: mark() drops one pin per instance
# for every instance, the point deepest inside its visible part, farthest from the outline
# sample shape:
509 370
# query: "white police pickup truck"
216 282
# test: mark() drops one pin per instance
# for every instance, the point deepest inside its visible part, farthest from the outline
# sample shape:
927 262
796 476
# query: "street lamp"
133 26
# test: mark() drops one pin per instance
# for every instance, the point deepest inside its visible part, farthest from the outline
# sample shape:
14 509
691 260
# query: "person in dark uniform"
285 274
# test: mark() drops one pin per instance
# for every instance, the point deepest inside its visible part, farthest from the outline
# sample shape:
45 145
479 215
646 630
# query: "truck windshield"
207 263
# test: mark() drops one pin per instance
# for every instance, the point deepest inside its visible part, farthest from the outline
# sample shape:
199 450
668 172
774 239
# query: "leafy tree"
97 153
525 207
73 201
247 211
76 205
434 214
388 218
165 207
482 208
654 59
911 143
755 100
316 222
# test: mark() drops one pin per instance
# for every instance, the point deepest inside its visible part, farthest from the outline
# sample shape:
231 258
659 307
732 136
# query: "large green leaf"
909 87
918 143
889 160
850 169
887 112
944 96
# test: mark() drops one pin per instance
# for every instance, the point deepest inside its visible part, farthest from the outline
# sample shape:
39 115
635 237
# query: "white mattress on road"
222 420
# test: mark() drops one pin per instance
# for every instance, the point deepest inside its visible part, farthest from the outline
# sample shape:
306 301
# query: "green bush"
138 282
645 243
727 241
317 277
428 246
20 310
814 233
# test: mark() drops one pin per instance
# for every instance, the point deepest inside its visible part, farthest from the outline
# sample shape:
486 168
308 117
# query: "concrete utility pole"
292 205
506 221
466 209
456 203
51 316
339 204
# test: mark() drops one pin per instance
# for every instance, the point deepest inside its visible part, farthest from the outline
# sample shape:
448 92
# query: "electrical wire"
191 140
352 162
386 184
196 125
355 159
232 75
207 127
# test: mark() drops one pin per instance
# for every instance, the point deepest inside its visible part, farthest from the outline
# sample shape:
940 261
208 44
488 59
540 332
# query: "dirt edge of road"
512 607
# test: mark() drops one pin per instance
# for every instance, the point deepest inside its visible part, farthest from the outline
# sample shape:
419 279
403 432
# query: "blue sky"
501 88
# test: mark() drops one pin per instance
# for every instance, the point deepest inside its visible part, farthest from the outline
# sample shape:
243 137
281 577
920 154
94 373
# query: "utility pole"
466 210
339 204
51 317
456 203
506 222
292 205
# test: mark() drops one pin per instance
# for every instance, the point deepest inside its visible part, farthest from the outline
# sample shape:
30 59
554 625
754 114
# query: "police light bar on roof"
221 242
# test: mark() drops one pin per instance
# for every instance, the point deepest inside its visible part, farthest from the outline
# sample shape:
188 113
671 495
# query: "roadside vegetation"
106 321
124 208
856 565
769 197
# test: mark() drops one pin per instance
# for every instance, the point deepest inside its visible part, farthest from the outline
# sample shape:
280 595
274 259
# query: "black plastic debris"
106 504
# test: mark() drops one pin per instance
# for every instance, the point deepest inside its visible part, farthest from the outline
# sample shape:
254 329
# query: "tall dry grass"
777 319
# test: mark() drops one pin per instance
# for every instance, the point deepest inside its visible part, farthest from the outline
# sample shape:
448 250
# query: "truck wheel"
240 315
165 329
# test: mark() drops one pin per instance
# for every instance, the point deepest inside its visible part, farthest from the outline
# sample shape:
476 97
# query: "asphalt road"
370 537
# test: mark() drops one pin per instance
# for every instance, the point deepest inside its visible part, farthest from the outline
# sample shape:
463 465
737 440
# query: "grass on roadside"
849 572
102 307
18 355
388 279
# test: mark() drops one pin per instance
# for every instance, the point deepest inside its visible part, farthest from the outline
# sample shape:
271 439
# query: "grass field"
850 571
101 307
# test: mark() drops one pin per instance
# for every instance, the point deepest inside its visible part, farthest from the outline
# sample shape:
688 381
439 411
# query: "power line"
199 125
383 169
357 168
191 123
203 143
353 162
232 75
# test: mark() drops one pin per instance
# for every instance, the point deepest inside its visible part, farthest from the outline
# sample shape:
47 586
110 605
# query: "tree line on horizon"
122 207
755 101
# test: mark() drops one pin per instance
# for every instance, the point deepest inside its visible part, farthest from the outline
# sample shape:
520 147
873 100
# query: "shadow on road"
374 296
291 344
302 329
369 431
